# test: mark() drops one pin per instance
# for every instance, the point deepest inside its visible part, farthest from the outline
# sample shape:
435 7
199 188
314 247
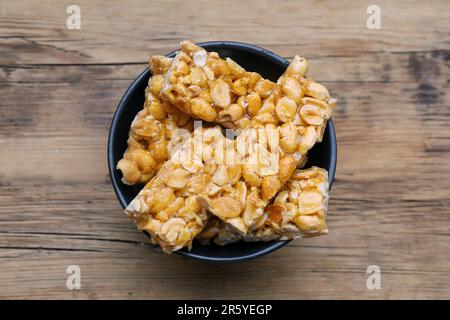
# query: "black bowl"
252 58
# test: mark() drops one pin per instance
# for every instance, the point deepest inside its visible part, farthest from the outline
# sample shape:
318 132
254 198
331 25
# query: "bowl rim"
272 245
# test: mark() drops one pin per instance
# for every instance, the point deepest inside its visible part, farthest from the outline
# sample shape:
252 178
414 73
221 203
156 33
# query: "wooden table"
390 203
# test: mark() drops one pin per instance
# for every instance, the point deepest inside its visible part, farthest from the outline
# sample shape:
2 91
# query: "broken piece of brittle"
152 130
218 90
168 207
298 211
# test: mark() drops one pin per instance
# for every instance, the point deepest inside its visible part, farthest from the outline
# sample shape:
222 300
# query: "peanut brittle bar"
152 129
298 211
218 90
167 207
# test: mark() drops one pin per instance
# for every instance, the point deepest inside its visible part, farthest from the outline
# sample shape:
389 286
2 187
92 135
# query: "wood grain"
390 203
